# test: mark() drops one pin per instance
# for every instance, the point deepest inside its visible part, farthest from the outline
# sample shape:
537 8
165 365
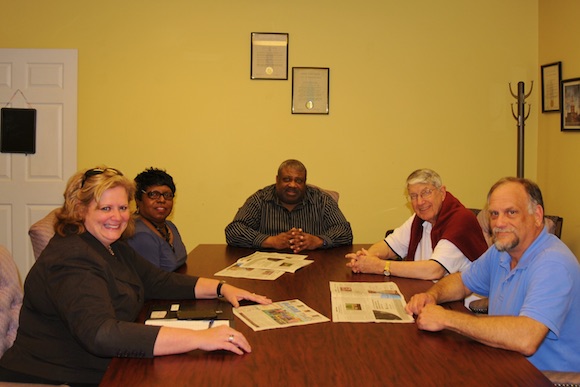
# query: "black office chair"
556 228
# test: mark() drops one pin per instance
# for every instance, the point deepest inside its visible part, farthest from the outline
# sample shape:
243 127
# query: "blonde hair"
84 187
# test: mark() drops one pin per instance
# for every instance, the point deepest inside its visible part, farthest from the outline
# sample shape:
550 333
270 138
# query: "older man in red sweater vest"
441 237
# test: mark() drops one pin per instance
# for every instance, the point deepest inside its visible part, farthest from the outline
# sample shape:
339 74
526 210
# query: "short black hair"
293 164
152 176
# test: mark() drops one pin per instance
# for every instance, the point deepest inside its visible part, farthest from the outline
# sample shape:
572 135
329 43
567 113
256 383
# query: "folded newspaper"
278 315
265 265
368 302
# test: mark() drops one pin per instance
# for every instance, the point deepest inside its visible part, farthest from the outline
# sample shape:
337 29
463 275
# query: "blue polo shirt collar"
528 256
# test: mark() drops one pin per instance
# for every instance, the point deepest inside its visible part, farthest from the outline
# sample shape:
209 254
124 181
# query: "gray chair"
333 194
11 294
10 299
41 232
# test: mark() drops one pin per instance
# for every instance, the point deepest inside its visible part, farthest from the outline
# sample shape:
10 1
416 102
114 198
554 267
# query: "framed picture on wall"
269 55
310 90
551 79
571 104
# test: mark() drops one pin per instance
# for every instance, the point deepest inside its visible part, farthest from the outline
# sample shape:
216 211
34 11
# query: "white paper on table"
196 325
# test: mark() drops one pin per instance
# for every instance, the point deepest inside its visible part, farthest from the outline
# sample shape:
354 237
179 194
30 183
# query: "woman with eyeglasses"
88 286
156 238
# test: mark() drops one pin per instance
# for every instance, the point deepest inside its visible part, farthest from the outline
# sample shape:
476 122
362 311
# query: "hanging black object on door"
18 131
18 128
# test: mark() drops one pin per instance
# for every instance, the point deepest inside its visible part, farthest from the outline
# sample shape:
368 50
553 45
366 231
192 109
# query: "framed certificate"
551 78
269 56
310 90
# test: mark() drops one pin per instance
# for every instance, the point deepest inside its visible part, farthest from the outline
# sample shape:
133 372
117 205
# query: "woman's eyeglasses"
97 171
156 195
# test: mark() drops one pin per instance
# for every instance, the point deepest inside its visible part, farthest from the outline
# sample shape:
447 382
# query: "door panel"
32 185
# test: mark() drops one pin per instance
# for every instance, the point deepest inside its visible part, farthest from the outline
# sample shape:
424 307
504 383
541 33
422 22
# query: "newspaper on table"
368 302
265 265
278 315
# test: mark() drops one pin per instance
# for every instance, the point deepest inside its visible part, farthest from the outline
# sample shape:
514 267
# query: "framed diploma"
310 90
269 56
551 78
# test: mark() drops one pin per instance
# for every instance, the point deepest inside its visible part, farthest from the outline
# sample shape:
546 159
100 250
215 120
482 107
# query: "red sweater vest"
454 223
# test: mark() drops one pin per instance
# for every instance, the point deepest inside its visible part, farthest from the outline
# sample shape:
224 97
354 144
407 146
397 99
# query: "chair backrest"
554 224
10 299
41 232
333 194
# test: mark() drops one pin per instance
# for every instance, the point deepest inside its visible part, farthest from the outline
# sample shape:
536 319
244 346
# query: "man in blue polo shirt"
532 280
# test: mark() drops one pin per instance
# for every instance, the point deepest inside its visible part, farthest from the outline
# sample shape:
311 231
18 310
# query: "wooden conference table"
327 354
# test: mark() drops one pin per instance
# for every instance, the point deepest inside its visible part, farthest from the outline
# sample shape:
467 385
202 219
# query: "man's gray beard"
507 246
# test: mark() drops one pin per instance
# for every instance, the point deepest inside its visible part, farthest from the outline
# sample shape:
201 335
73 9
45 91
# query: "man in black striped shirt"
289 215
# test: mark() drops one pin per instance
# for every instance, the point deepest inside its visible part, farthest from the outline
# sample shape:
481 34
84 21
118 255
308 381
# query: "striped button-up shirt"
262 215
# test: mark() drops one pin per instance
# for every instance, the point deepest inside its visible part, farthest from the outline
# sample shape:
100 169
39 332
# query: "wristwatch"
219 289
387 269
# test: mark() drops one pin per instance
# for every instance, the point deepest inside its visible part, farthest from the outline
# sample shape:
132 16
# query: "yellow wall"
558 160
412 84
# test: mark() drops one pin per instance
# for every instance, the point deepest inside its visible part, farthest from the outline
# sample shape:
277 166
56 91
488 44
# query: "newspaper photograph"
368 302
281 314
265 265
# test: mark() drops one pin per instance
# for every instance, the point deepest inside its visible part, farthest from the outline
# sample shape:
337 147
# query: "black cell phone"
196 314
247 302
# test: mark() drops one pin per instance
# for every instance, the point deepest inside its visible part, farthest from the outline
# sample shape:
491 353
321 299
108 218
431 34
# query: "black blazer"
80 304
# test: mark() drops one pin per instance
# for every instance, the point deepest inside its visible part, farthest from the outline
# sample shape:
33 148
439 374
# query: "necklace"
164 231
111 250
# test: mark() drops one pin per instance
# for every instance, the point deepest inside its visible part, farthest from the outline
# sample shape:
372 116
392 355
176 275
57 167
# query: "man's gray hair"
425 176
532 189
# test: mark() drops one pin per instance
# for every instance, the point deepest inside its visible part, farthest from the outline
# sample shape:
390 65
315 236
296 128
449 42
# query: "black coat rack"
521 118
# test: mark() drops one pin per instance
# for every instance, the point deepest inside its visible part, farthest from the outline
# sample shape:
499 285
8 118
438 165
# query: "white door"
32 185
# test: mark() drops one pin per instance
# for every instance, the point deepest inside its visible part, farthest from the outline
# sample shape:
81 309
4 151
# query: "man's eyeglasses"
425 194
97 171
156 195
